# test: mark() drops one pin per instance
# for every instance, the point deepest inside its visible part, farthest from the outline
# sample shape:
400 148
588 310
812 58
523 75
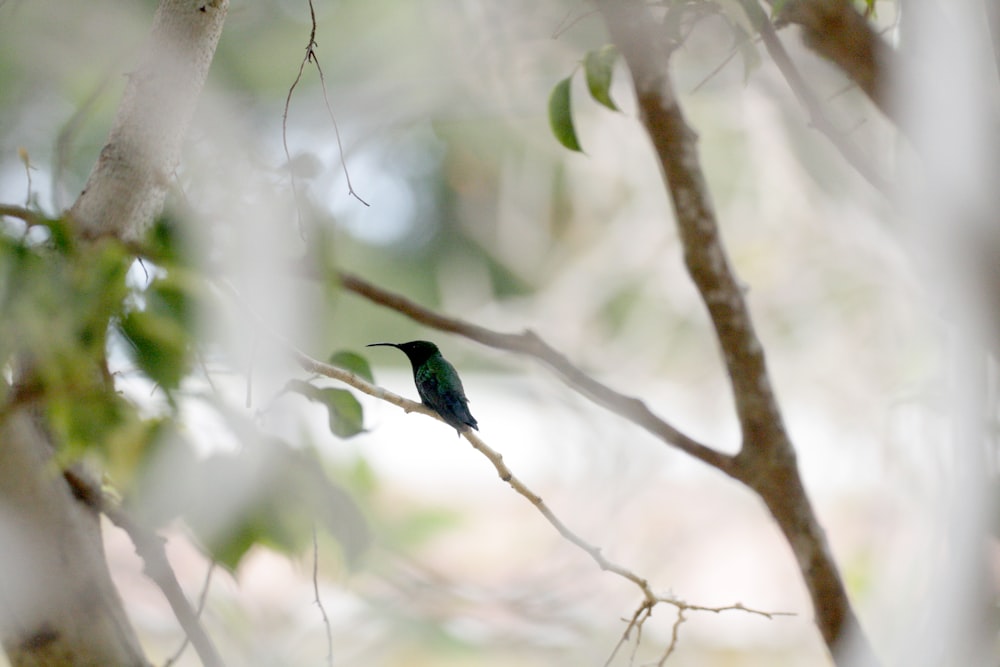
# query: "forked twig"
149 547
311 57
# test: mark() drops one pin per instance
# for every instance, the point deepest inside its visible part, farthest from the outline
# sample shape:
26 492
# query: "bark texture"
128 185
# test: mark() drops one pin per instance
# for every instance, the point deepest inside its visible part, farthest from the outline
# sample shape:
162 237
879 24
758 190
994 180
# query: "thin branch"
521 488
202 599
718 68
21 213
311 365
149 547
284 119
650 599
645 610
26 160
319 601
528 343
808 99
674 634
336 131
635 623
311 57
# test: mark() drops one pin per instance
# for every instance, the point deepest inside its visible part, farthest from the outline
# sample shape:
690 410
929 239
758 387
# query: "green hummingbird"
437 382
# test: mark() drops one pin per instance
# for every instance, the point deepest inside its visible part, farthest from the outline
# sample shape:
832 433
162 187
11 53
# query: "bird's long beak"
383 344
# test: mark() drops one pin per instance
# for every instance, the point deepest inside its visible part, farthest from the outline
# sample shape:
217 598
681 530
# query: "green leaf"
158 347
161 334
599 67
561 117
85 421
353 362
165 242
345 412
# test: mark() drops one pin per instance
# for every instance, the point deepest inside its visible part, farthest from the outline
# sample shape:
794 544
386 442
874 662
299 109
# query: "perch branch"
149 547
650 598
311 365
530 344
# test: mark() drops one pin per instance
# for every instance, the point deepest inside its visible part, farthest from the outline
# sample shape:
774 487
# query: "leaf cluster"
71 305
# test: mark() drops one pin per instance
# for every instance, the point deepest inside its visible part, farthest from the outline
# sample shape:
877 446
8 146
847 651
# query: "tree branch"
766 462
528 343
632 29
650 598
311 365
28 216
149 547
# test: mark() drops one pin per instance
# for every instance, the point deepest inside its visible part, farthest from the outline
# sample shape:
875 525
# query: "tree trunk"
58 605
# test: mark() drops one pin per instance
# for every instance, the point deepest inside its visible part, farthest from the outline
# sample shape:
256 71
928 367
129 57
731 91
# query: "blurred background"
476 211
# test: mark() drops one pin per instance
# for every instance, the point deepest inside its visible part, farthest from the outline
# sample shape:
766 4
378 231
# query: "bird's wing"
443 392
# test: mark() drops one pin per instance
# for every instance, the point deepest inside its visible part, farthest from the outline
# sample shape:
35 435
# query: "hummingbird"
437 382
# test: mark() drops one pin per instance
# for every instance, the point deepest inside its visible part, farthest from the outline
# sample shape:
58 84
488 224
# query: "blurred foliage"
58 298
346 416
68 304
267 493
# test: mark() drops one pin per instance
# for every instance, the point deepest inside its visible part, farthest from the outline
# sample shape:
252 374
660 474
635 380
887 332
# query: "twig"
530 344
566 23
336 131
645 610
650 599
25 214
149 547
319 601
635 623
202 599
593 551
311 57
718 68
26 159
674 634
